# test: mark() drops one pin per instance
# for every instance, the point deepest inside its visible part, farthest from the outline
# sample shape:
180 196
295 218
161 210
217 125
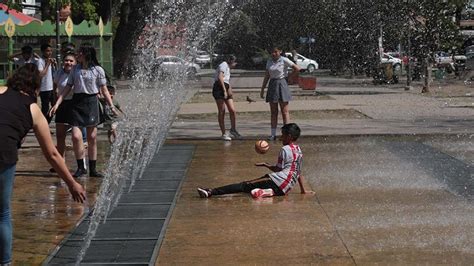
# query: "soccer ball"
261 146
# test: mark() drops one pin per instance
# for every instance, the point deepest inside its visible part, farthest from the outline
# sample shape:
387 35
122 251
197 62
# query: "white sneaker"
272 138
204 192
235 134
262 193
226 137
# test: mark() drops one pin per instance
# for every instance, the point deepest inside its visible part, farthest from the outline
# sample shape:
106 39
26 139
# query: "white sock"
274 131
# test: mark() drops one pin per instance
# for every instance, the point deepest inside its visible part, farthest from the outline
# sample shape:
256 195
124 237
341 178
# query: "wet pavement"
43 211
378 201
389 184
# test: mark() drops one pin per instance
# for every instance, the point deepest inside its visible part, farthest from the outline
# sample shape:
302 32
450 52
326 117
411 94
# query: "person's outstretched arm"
264 83
272 168
59 100
13 56
108 99
43 135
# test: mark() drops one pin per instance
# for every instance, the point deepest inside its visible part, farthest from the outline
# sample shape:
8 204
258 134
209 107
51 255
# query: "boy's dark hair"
26 49
68 48
111 89
230 58
45 46
291 129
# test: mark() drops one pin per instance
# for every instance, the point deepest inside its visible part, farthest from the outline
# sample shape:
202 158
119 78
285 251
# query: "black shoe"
51 170
79 172
95 174
204 192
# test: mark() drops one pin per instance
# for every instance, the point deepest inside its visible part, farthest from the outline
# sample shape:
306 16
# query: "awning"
17 17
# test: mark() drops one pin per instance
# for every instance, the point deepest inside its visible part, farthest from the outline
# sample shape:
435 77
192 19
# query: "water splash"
152 104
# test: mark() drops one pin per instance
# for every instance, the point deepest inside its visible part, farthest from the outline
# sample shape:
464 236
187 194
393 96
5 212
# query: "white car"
396 62
304 63
449 62
173 65
202 58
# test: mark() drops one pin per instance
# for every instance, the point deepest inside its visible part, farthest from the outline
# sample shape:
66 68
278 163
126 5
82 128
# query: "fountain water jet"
152 105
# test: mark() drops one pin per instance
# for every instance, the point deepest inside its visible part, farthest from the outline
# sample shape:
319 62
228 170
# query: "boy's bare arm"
302 189
13 56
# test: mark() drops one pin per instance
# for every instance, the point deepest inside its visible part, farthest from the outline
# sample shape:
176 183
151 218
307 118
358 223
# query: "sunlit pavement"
378 197
393 188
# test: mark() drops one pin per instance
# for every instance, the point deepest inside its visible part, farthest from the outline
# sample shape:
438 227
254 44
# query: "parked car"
469 52
202 58
172 65
396 62
456 63
305 63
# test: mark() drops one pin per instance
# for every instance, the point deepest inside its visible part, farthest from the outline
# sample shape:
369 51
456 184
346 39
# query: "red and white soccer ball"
261 146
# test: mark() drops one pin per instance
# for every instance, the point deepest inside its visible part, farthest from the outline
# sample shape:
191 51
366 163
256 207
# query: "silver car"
166 66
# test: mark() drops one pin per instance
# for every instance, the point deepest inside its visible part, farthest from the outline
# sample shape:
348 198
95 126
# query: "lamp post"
58 37
408 87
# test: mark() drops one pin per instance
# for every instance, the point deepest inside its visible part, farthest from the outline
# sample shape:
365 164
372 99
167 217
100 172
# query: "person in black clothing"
18 114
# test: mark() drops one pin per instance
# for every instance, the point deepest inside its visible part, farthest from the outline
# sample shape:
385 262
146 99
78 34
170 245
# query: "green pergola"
35 34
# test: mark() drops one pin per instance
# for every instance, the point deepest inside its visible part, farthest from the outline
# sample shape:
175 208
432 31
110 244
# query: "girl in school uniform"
222 93
87 79
278 92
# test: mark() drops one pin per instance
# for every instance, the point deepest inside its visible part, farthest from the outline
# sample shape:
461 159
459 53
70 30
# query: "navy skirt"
85 110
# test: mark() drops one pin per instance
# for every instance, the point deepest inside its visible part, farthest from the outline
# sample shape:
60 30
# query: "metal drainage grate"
135 228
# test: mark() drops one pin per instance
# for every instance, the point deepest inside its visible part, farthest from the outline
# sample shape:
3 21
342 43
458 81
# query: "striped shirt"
290 160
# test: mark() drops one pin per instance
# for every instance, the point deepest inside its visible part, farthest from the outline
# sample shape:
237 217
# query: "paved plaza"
391 168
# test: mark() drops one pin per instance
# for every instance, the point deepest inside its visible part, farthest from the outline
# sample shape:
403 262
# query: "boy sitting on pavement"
285 173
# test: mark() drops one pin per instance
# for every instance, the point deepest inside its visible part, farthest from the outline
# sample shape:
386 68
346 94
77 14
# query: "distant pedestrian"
18 114
110 120
87 78
294 56
222 92
24 57
45 67
67 48
278 92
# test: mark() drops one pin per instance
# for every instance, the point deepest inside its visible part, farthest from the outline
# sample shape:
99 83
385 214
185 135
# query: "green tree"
239 37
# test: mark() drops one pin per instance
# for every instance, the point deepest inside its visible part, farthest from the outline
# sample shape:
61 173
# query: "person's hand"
53 110
225 95
261 164
261 93
52 61
78 192
114 111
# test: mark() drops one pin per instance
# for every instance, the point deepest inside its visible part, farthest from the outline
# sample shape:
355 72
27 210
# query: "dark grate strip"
135 228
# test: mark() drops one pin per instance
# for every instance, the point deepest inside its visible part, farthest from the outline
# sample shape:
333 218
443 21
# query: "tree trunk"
45 10
132 21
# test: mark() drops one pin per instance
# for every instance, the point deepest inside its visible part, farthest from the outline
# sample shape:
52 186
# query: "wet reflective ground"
382 199
43 211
